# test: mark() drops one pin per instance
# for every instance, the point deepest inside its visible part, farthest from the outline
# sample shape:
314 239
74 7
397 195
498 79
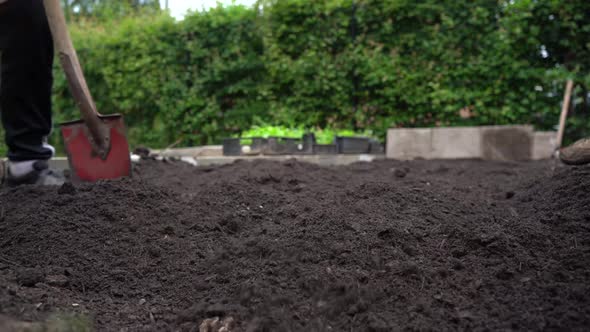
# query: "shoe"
40 174
577 153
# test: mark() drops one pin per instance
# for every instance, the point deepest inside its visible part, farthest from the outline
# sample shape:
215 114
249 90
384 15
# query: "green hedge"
342 64
195 80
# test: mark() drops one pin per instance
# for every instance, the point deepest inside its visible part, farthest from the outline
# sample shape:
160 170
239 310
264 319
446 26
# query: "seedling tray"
244 146
282 145
353 145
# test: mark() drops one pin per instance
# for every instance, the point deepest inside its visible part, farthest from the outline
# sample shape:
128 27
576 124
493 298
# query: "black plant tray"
283 145
244 146
353 145
258 145
376 147
286 145
232 147
308 143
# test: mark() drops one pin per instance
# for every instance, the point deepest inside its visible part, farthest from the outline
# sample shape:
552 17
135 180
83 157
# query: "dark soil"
384 246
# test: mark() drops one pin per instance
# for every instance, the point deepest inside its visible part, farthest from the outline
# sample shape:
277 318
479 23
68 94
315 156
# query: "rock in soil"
438 245
67 189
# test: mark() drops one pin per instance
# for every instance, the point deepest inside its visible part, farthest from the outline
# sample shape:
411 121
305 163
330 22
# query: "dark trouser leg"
25 79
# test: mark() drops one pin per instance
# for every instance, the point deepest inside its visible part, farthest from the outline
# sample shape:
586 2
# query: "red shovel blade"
85 164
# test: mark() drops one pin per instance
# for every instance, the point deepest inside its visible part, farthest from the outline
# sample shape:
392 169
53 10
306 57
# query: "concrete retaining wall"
544 145
323 160
485 142
200 151
455 143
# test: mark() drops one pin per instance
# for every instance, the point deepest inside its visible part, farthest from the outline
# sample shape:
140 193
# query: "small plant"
273 131
323 136
327 136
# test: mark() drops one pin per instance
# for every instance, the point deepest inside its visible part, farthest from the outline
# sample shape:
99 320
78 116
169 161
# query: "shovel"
97 147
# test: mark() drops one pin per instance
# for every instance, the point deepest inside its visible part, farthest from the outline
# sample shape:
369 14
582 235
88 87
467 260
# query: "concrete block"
409 143
507 142
456 143
544 144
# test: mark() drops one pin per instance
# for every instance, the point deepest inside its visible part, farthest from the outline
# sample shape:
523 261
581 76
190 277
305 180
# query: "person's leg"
26 80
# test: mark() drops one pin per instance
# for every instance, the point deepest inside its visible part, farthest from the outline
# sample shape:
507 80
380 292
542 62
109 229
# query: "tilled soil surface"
383 246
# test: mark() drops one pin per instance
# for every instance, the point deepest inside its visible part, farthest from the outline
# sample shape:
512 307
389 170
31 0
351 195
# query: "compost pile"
389 245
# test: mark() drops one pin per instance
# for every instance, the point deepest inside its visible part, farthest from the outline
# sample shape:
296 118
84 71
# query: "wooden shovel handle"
73 71
567 96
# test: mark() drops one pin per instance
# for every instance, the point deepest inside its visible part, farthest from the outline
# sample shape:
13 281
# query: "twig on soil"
435 228
83 287
442 243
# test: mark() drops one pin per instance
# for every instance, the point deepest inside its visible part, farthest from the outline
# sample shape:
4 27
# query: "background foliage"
106 9
339 64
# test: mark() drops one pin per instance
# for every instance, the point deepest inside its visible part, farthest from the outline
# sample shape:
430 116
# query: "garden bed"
381 246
